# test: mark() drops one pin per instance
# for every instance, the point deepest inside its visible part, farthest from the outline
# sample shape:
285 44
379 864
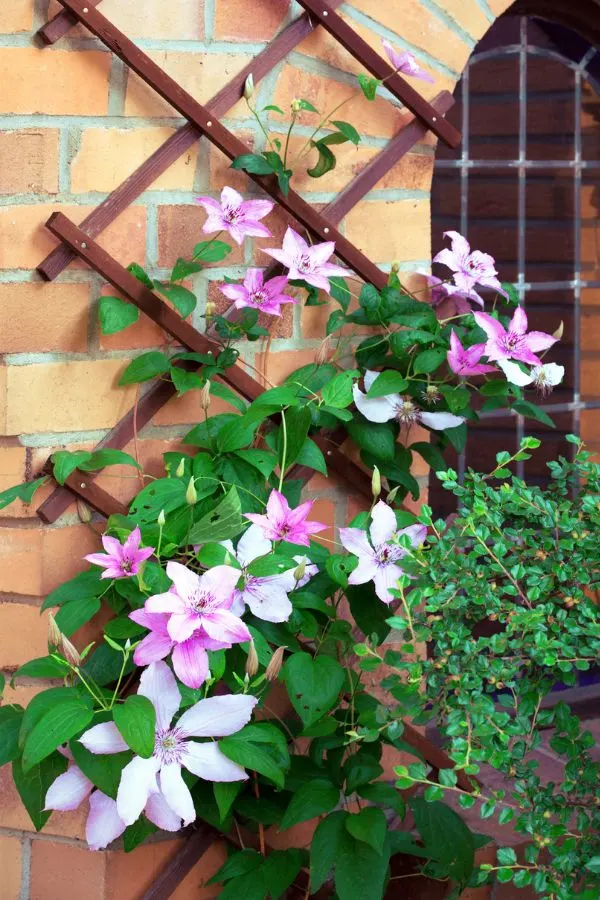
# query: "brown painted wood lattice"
202 121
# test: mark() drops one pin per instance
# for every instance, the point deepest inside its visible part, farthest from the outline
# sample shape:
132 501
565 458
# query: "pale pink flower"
545 377
442 290
267 596
514 343
143 779
406 63
256 293
466 361
305 262
284 524
403 409
121 560
200 605
378 558
239 217
470 268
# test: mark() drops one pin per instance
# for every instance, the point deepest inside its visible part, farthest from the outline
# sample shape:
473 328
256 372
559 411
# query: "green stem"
120 679
284 450
323 122
287 139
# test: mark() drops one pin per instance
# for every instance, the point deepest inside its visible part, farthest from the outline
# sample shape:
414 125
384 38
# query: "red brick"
60 871
237 20
10 865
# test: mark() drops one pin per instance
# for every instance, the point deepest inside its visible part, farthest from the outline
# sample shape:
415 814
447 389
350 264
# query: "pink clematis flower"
515 343
255 292
406 63
284 524
239 217
189 658
402 409
104 824
143 779
200 605
443 290
466 361
470 268
305 262
121 560
378 559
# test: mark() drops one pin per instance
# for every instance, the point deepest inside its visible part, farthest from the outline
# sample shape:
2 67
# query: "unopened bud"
296 106
54 633
191 495
205 396
300 571
70 652
376 483
180 470
559 331
84 512
393 494
249 87
396 268
275 664
210 309
252 661
324 351
161 521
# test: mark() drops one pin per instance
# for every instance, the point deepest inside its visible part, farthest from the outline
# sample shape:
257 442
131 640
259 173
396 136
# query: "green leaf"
43 667
225 393
389 382
531 411
307 105
429 361
310 455
104 770
348 130
368 85
142 276
86 584
262 460
10 726
65 462
183 268
23 492
251 162
76 613
211 251
145 367
360 871
506 856
324 847
313 684
593 865
33 786
312 799
297 423
242 863
222 523
166 494
385 794
251 755
445 836
236 434
100 459
57 726
369 826
378 440
340 291
182 299
280 869
136 721
338 392
447 777
137 833
431 454
225 795
205 434
326 161
185 381
115 314
339 567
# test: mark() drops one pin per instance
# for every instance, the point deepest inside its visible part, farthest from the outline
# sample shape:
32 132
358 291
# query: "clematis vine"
121 560
160 775
239 217
465 361
256 293
545 377
284 524
305 262
470 268
378 557
403 409
406 63
514 342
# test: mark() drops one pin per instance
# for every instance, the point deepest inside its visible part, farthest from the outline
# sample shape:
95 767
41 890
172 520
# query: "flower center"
169 746
232 214
406 412
513 340
200 601
127 564
305 263
259 297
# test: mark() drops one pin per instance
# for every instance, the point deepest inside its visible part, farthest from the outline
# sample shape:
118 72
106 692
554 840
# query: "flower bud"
54 633
275 664
396 268
559 331
161 519
210 309
300 571
393 494
191 495
296 106
84 512
205 396
249 87
180 470
252 661
70 652
376 483
323 351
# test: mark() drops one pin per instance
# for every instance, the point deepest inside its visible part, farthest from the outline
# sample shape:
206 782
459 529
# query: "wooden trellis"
202 121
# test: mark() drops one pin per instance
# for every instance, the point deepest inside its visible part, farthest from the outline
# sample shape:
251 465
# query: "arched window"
525 186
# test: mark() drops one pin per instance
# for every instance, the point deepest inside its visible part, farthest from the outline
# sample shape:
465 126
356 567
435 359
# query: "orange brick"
202 75
29 161
20 563
468 14
221 173
63 550
23 692
175 20
238 20
37 317
23 633
108 156
378 117
57 83
66 396
10 865
13 470
390 231
118 480
180 228
16 16
324 511
59 871
24 241
278 365
186 410
499 6
193 887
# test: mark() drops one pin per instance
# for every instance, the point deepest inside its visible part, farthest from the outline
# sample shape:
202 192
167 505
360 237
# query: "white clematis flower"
403 409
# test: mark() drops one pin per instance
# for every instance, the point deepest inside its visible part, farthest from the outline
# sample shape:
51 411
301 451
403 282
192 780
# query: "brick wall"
73 125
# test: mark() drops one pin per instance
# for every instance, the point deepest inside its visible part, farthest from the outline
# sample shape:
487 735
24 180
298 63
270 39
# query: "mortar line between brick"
25 868
117 87
209 20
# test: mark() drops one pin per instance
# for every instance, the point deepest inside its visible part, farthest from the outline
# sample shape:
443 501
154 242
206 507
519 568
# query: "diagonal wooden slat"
324 13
